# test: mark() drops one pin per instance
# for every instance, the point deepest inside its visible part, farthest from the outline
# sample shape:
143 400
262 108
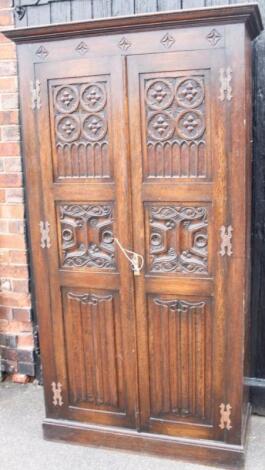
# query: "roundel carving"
93 97
66 99
189 93
94 127
161 126
68 128
159 94
190 124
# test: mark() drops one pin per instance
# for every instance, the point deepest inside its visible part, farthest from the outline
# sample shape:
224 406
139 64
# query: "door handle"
136 260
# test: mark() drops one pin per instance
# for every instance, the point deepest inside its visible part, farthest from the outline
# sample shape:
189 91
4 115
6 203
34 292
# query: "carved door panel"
83 157
178 183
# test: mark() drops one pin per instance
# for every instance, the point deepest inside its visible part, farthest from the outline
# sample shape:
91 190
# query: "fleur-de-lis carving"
42 52
167 40
82 48
214 37
124 44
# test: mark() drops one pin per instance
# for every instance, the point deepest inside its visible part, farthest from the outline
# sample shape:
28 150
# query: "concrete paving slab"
23 448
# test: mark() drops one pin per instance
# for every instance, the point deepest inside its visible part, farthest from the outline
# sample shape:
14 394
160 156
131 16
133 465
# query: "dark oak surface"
136 139
32 13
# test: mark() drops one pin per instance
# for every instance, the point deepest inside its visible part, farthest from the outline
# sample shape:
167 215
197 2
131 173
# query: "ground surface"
23 448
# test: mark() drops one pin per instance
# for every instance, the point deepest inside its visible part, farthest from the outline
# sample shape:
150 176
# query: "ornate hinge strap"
45 241
225 82
57 394
226 243
35 95
225 412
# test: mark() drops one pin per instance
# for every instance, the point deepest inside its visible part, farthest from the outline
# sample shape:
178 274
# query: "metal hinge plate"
57 394
225 84
226 243
35 95
45 241
225 420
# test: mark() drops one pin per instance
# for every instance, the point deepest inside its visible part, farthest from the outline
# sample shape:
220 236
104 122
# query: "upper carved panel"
178 239
86 236
175 134
81 130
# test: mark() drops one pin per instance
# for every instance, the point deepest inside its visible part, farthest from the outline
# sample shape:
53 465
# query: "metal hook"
136 260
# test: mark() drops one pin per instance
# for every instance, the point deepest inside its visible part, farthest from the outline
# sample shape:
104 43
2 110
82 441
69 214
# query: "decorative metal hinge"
226 244
45 241
225 80
35 95
57 394
225 412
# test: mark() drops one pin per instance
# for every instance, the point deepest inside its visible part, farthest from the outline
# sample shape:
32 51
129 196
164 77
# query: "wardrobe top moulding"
247 14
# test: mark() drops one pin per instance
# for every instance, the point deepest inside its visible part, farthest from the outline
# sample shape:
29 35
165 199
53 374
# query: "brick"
20 379
14 211
4 258
3 324
7 51
25 355
11 149
3 38
10 180
9 341
15 327
20 314
15 271
9 117
25 340
5 4
8 366
6 313
16 241
4 226
12 164
8 68
2 195
18 257
6 284
15 299
10 133
8 83
9 101
9 354
15 226
21 285
26 368
2 164
15 195
6 17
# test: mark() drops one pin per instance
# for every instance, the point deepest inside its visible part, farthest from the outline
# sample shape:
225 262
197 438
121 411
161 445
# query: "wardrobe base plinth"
199 451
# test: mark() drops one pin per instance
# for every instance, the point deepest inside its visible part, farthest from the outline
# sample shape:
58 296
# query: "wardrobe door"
85 188
178 164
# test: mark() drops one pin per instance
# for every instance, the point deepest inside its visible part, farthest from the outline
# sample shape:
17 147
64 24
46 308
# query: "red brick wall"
16 338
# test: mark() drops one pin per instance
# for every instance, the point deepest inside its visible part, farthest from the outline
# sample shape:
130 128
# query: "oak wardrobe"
137 154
